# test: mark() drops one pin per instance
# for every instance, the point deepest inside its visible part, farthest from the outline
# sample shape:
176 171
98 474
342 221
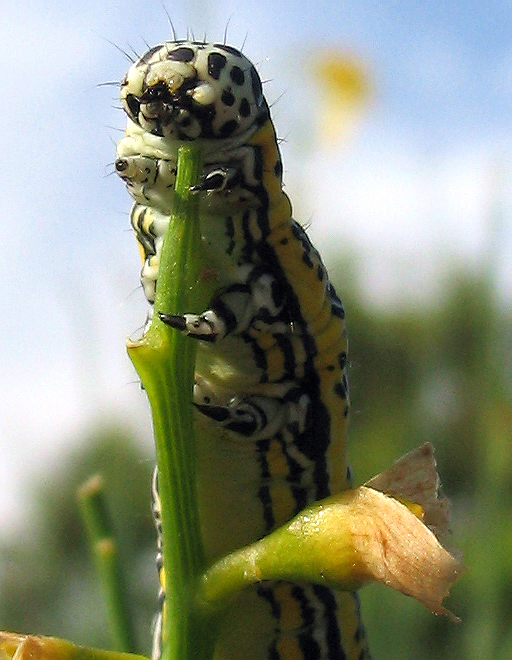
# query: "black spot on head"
237 75
216 62
284 241
330 367
147 56
228 128
228 49
257 90
227 97
245 108
278 168
133 104
181 54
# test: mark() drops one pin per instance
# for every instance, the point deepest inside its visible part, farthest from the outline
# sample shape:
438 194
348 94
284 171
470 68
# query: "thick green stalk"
103 545
165 360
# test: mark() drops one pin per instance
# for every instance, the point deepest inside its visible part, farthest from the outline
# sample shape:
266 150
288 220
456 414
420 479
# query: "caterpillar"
271 394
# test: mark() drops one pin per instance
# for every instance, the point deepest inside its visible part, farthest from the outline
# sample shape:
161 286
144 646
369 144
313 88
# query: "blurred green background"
439 373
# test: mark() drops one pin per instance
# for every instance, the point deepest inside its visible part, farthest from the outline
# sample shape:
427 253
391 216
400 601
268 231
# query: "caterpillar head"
188 90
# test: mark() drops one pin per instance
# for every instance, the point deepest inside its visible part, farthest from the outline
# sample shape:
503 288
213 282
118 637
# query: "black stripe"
336 304
230 233
295 472
249 242
308 644
262 448
257 89
286 348
268 594
315 441
332 633
259 356
225 313
146 242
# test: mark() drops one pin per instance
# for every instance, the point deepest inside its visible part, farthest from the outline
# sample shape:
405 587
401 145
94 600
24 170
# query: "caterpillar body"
271 394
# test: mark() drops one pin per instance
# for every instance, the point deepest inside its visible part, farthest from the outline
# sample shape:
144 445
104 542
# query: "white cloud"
406 213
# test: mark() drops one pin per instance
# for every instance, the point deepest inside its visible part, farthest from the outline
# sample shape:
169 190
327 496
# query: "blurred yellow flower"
345 91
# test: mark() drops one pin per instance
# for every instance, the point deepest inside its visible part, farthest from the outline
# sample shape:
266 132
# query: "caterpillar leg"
256 303
219 179
208 327
150 173
254 416
251 417
149 180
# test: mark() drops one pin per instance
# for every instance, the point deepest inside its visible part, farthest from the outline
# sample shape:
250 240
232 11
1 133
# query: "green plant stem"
101 537
165 361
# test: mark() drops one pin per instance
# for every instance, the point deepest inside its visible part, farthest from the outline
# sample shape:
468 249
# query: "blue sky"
409 191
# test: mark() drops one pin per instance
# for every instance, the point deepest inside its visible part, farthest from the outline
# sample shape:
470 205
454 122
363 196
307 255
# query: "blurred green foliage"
439 373
442 374
48 584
